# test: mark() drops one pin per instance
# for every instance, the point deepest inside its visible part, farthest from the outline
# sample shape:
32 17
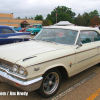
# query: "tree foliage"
95 21
87 19
18 18
93 13
63 14
38 17
46 23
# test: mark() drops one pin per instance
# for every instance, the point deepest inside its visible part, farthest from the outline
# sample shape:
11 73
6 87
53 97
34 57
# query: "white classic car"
56 51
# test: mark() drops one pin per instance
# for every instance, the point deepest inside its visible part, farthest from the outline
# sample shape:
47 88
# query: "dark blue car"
8 35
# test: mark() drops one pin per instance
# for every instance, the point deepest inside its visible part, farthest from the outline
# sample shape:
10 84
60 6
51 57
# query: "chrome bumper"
24 85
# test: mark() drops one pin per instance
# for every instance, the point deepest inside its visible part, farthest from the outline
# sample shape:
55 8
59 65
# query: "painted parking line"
94 95
73 87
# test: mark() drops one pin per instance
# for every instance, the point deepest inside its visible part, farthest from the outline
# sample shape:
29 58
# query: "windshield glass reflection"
62 36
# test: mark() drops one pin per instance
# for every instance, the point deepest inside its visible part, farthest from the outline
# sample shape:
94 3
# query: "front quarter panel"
43 62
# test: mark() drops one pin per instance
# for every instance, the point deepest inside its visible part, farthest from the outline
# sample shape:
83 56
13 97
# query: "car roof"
4 26
73 27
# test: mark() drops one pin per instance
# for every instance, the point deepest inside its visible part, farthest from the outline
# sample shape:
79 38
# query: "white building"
64 23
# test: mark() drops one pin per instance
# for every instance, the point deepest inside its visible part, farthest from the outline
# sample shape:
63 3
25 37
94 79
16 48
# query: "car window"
61 36
88 36
6 30
96 36
35 26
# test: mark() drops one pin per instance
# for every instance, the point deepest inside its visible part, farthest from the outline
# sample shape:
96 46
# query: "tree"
78 20
63 14
85 19
95 21
18 18
25 17
31 17
38 17
45 23
93 13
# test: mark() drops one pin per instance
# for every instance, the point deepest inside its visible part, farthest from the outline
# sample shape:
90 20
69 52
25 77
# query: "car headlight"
22 71
15 68
19 70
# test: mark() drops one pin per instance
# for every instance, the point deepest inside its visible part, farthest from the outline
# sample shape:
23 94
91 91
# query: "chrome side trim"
50 60
87 58
61 57
84 59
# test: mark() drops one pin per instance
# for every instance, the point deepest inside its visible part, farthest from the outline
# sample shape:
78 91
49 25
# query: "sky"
31 8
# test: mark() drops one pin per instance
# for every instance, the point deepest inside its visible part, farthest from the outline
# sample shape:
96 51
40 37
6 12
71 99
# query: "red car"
24 29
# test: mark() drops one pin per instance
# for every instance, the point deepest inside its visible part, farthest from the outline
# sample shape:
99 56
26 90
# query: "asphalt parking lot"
83 86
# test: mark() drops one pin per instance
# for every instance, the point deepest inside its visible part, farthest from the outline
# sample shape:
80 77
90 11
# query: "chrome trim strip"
50 60
87 58
84 60
77 37
60 57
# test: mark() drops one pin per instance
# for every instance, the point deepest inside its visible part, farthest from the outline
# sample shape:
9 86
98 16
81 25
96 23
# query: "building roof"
63 23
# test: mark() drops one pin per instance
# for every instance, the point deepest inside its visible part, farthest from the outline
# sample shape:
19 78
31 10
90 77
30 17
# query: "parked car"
56 51
8 35
16 28
24 29
35 29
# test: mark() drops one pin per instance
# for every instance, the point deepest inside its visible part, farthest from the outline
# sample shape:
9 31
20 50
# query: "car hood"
19 51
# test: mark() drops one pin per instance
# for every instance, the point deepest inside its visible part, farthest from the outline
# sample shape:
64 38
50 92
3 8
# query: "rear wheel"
35 33
50 84
16 41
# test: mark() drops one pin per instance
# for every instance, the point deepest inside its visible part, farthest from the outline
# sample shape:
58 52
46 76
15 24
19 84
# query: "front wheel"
50 84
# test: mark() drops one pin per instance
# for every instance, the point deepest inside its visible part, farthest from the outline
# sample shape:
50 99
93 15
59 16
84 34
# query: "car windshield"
62 36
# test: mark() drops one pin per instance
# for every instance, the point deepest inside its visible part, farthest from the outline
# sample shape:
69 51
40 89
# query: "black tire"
35 33
16 41
50 84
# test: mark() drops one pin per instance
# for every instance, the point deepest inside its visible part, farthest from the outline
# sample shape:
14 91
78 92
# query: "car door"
6 34
1 39
87 55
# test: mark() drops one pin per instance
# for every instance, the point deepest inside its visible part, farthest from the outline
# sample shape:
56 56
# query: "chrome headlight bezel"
19 70
22 71
15 69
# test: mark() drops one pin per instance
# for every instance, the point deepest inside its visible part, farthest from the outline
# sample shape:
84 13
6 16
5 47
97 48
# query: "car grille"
5 65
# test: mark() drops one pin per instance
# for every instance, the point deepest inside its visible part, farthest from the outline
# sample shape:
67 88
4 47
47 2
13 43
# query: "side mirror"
79 45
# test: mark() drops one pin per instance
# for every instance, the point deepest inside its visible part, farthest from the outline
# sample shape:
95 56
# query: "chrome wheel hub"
51 83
